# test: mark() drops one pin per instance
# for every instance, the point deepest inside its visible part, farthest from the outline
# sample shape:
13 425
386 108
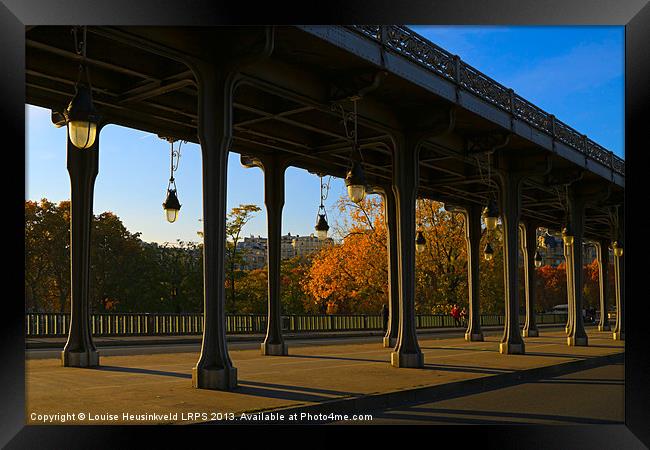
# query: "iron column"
473 239
214 369
83 166
405 184
274 169
569 289
577 335
529 247
510 187
390 219
619 287
602 254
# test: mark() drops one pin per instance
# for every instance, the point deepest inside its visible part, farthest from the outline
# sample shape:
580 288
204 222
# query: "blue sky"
576 73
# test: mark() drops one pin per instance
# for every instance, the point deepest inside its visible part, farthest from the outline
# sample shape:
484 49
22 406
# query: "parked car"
560 309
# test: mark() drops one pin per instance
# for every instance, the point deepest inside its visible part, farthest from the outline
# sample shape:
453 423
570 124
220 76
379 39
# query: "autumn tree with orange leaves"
441 269
351 277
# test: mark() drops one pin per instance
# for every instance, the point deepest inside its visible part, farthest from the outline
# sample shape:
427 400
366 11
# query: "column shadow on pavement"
465 369
495 349
286 392
267 390
143 371
298 388
342 358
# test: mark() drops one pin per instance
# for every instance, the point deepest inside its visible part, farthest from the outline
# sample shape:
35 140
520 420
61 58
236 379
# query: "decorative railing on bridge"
143 324
438 60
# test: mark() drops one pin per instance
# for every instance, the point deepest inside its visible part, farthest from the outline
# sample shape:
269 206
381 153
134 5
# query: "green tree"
181 268
116 257
293 271
236 220
47 255
491 287
253 292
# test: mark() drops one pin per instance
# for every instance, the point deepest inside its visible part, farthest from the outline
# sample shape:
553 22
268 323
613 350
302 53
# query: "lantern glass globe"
488 253
82 133
618 250
357 192
171 214
490 222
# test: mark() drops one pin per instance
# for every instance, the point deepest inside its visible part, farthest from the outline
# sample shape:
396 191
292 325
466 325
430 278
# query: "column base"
530 333
389 342
604 328
474 337
618 336
507 348
408 360
275 349
88 358
577 341
217 379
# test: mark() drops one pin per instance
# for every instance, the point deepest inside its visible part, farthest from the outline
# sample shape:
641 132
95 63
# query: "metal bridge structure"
428 125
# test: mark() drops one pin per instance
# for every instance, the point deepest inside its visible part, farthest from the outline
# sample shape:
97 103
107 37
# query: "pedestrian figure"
384 317
463 316
455 313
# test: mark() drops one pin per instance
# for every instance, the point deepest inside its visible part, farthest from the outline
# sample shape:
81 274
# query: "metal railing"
144 324
418 49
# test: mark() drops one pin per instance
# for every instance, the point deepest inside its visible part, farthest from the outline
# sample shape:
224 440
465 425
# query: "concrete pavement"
592 396
335 376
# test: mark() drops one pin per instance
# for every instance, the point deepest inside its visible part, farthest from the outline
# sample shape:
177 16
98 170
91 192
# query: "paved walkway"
310 377
592 396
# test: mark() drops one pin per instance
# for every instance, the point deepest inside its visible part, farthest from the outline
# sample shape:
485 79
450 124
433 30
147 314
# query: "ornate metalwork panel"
484 87
418 49
532 115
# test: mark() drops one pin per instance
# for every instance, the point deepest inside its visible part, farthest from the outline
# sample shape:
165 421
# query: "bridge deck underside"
286 104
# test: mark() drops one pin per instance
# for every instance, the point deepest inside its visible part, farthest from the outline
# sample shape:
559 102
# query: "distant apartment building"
306 245
254 249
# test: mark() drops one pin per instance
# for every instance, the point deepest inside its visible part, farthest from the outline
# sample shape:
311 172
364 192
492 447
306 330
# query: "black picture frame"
633 14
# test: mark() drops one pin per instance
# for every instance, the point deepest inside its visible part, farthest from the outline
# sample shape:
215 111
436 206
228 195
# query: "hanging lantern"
420 242
171 206
355 181
491 215
82 118
538 260
80 115
321 227
618 249
488 253
567 235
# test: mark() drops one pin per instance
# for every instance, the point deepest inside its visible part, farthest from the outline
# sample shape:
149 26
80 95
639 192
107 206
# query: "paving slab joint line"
365 404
